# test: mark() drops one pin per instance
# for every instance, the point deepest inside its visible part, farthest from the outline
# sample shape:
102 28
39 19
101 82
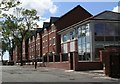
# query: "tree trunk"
21 57
11 54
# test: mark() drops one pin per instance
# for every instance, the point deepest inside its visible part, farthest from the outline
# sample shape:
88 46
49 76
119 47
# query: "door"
71 60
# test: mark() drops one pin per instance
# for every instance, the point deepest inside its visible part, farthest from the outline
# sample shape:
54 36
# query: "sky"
57 8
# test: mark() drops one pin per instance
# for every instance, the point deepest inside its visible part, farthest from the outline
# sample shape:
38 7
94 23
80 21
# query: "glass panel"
99 29
79 47
72 33
87 39
79 41
65 48
84 42
87 45
65 37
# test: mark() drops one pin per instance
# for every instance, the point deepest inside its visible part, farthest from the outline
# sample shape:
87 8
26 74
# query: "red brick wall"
52 35
23 50
68 46
29 49
61 65
14 54
44 43
38 45
46 47
76 45
90 66
18 53
58 43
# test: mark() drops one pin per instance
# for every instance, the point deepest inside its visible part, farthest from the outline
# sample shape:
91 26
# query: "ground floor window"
57 58
65 57
84 51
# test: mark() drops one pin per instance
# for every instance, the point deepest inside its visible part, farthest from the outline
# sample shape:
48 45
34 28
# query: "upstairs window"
65 37
72 35
53 41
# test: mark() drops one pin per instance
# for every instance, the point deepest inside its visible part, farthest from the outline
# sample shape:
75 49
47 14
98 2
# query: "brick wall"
90 66
61 65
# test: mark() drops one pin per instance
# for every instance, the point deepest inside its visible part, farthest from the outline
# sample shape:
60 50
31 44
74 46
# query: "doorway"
71 60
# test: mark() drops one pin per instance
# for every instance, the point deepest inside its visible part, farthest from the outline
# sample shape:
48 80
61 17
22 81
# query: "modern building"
92 35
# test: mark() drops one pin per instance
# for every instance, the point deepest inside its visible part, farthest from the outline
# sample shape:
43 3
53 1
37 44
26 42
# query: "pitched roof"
100 16
73 16
46 24
39 30
53 19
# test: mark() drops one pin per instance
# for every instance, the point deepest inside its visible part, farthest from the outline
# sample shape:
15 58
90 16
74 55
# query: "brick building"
91 35
16 54
31 44
73 41
51 39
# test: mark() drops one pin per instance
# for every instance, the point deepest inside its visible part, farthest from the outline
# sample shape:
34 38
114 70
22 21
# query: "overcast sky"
57 8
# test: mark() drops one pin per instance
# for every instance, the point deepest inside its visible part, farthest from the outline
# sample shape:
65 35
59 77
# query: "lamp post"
35 50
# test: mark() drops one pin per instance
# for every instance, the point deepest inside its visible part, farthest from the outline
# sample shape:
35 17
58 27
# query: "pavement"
94 73
45 74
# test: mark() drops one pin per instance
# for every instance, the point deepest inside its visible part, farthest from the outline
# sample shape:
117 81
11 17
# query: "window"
65 49
84 42
65 37
50 42
99 29
53 41
72 35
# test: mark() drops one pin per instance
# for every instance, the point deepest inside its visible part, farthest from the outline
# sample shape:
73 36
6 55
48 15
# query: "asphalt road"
42 74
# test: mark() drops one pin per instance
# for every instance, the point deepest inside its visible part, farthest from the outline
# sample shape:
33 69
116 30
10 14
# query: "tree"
5 5
19 27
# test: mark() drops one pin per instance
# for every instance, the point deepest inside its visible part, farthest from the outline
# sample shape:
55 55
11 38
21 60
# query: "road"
43 74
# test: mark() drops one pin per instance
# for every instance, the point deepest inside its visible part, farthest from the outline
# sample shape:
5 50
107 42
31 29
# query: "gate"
115 65
110 57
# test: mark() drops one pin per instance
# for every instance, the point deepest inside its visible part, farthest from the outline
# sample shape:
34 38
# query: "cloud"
116 9
40 5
